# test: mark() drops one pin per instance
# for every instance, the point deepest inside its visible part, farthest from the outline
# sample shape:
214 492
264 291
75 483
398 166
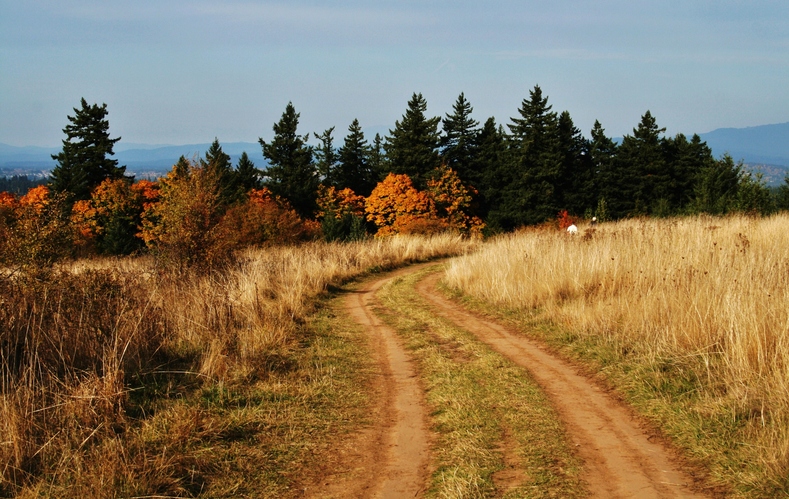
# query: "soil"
623 457
390 458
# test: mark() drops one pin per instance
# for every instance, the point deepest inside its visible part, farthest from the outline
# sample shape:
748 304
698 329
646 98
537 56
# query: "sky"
184 72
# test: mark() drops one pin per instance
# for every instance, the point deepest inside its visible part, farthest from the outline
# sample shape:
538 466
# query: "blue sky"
174 72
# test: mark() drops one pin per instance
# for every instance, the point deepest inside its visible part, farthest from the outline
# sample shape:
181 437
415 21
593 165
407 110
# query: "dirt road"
621 458
391 459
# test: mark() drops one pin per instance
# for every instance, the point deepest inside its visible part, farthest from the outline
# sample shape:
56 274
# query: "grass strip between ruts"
497 434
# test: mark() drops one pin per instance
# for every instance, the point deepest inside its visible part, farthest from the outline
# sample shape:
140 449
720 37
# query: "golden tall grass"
706 296
76 342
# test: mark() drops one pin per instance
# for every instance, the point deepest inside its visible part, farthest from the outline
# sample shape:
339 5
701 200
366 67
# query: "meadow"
686 318
123 378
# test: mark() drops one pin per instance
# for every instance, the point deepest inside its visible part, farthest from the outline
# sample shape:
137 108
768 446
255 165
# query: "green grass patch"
487 412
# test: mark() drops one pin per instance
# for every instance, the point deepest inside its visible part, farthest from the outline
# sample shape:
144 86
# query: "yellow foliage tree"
396 207
453 202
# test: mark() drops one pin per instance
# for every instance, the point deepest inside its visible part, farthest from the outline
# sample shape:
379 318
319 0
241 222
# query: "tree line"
434 173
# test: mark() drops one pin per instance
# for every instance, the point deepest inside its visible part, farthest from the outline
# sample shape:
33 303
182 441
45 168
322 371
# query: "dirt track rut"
390 459
621 458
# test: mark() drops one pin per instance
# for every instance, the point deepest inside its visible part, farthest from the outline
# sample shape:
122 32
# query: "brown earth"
622 457
389 459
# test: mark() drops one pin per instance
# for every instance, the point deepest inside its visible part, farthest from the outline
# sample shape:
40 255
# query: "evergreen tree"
379 163
355 170
291 172
247 176
643 164
602 153
753 196
218 163
181 168
537 163
20 184
782 195
84 163
326 157
458 144
489 173
685 159
412 147
715 187
575 187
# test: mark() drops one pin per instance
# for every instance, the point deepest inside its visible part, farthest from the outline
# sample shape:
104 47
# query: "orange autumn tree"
264 218
341 213
181 227
8 206
453 202
111 218
396 207
36 231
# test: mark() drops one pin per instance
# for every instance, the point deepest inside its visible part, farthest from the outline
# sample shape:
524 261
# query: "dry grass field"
121 379
688 318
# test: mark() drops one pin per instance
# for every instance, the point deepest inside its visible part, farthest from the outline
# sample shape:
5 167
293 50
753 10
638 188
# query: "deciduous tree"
395 206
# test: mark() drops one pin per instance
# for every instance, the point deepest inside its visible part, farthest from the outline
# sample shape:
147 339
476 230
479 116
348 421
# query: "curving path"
621 458
390 459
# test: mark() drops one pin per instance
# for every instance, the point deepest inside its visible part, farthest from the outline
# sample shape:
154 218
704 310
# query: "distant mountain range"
764 148
140 159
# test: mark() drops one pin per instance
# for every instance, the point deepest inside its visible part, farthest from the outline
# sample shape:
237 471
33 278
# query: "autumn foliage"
397 207
564 220
34 230
184 220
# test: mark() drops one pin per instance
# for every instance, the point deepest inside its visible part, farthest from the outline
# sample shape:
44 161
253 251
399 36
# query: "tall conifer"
291 172
536 162
458 143
355 170
326 156
84 161
412 147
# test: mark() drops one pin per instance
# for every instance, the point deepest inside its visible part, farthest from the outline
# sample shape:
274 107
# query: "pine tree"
602 153
716 185
458 144
247 175
84 163
326 156
412 147
537 163
489 172
182 168
782 195
355 170
685 159
291 172
575 187
379 163
218 163
643 164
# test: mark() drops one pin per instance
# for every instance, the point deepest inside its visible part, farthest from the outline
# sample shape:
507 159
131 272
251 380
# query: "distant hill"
764 148
140 159
766 144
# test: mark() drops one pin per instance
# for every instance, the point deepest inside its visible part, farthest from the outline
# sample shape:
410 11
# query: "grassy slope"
266 438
